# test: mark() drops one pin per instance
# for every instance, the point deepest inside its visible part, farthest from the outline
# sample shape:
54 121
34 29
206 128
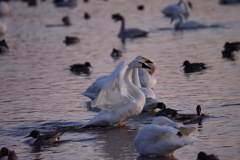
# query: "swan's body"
119 99
154 140
93 90
164 121
130 33
181 8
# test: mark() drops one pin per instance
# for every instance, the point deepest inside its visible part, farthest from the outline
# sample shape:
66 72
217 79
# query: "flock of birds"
128 90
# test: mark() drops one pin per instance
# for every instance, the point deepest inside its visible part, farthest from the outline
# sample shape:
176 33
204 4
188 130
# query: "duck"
166 112
6 154
203 156
115 54
193 67
140 7
5 9
65 3
3 47
86 16
93 90
190 118
71 40
161 141
181 8
47 139
126 33
119 99
78 69
227 2
232 46
66 21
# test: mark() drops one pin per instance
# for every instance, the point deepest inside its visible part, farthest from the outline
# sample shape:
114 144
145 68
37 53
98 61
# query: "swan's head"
35 134
148 62
117 17
186 63
138 64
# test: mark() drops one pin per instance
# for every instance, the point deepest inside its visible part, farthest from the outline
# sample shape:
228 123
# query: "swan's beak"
145 66
147 60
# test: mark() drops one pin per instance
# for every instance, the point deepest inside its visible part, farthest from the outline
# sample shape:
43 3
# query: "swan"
129 32
164 121
6 154
47 139
93 90
154 140
146 77
193 67
119 99
151 100
181 8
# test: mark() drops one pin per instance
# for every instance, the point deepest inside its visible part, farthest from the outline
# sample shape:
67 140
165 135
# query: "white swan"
93 90
154 140
119 99
151 99
180 24
146 76
164 121
181 8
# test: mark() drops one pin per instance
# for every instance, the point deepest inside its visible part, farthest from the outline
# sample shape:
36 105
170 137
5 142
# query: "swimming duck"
193 67
71 40
6 154
190 118
167 112
140 7
226 2
47 139
86 16
125 33
181 8
116 53
119 99
65 3
3 47
203 156
66 21
154 140
232 46
81 68
93 90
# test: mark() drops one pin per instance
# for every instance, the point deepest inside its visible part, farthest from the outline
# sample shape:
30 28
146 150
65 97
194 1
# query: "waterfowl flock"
130 89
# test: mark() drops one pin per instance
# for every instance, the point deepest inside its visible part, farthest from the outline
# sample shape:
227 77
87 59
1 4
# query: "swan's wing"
113 90
93 90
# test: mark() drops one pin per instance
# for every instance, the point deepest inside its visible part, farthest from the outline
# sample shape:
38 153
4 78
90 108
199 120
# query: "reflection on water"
39 92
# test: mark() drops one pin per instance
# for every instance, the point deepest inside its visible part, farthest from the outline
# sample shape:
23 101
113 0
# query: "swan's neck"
179 22
133 90
122 25
135 78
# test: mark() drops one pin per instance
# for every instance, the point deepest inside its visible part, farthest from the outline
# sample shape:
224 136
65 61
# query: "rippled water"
38 91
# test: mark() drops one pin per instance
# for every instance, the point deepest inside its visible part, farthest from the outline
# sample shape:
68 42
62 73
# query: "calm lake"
39 92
